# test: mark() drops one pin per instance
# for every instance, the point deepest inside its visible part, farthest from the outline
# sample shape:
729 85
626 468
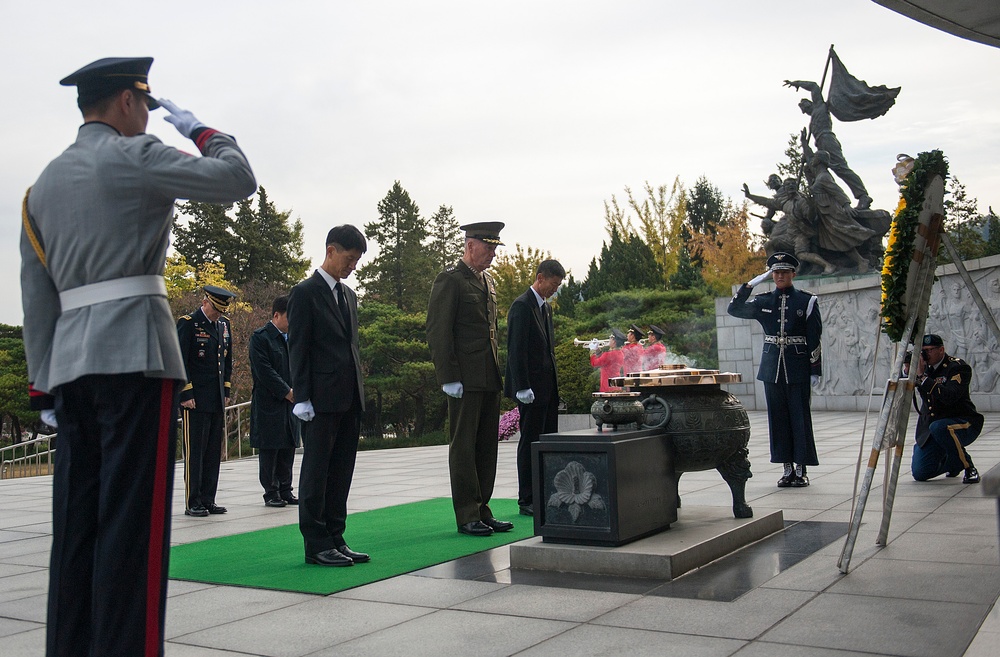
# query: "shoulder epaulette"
187 317
451 268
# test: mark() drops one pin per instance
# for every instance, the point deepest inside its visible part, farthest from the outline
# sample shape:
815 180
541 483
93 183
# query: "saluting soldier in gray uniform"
789 362
102 352
207 351
462 336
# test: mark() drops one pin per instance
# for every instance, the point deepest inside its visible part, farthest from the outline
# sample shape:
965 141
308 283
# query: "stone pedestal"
603 488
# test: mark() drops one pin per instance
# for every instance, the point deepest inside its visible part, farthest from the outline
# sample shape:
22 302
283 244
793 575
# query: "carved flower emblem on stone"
575 488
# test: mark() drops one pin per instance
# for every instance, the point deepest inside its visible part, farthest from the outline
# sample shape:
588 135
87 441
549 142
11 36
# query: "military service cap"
108 76
618 335
635 329
657 331
219 297
782 261
487 231
932 340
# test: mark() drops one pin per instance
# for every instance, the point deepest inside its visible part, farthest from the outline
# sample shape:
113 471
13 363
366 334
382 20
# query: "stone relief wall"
853 350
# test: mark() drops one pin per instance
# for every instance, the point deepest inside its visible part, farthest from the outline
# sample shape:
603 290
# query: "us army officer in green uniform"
462 335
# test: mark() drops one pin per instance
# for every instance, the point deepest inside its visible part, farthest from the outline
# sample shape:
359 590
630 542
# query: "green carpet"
400 539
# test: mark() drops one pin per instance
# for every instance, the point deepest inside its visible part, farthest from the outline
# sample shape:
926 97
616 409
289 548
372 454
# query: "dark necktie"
342 302
547 320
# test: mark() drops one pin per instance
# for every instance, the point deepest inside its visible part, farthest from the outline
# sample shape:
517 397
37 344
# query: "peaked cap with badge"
105 77
487 231
780 261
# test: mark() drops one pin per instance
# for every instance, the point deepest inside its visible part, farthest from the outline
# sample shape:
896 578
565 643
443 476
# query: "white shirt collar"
538 297
330 280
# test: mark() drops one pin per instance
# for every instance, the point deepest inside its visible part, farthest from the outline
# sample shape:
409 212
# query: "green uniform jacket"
462 329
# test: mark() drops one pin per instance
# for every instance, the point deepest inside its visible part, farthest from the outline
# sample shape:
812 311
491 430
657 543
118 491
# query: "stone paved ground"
932 590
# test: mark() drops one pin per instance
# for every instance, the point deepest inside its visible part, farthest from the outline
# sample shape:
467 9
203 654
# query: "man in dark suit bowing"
274 431
531 370
326 377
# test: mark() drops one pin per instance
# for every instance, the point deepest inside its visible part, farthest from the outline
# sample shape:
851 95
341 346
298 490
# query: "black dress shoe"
953 473
475 528
275 502
331 557
525 510
971 476
356 557
291 499
196 511
498 525
215 509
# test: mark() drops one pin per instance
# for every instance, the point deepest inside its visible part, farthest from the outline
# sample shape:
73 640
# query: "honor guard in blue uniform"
207 350
948 420
102 352
789 362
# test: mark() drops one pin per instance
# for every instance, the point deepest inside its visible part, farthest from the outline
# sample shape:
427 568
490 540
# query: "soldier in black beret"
206 340
949 420
789 362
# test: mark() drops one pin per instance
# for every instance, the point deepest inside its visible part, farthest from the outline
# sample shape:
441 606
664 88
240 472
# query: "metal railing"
235 432
28 459
37 457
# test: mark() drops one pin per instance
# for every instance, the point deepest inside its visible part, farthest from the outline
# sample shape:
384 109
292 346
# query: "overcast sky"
532 113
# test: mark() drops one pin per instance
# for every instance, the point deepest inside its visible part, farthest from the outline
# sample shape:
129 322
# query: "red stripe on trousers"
157 522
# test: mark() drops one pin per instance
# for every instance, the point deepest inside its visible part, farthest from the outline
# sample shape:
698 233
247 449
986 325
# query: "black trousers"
276 472
536 418
330 450
202 456
790 423
114 476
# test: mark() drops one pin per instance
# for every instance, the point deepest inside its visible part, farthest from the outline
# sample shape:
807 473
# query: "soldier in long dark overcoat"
274 431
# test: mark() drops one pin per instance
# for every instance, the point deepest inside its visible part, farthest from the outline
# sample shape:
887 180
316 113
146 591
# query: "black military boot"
800 480
787 476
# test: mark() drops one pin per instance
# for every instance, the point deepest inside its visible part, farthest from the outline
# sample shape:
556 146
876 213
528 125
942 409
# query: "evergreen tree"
446 243
688 274
626 263
15 410
792 166
256 245
271 246
569 294
403 272
965 226
705 208
513 273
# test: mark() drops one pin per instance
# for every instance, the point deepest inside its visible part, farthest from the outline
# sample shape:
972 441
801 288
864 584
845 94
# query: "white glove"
185 122
304 410
453 389
814 380
525 396
49 417
594 346
759 279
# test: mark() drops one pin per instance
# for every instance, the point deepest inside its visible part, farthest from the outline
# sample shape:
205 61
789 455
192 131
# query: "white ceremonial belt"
785 339
151 285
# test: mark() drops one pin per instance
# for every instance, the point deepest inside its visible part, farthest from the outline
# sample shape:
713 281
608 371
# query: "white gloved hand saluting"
304 410
185 122
525 396
759 279
49 417
453 389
